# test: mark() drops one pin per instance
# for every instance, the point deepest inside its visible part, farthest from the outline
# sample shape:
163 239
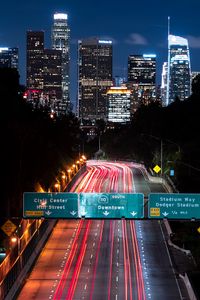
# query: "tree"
196 85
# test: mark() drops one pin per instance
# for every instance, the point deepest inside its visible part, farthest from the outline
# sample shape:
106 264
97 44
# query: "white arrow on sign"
83 212
106 213
133 213
73 213
165 214
48 213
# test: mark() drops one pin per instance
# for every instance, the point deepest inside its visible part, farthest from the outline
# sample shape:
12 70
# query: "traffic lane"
137 279
101 284
118 290
160 280
100 290
45 275
87 273
68 280
142 185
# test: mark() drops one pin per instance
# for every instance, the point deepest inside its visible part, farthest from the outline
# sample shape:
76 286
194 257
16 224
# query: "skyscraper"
61 41
179 70
9 57
119 104
52 76
35 52
44 75
164 83
142 79
95 77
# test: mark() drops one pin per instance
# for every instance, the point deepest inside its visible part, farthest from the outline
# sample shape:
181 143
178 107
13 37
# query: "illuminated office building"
52 76
9 57
164 83
179 70
142 79
44 74
119 105
34 59
118 81
61 41
95 77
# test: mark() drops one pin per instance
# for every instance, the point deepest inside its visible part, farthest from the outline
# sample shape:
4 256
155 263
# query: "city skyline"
130 36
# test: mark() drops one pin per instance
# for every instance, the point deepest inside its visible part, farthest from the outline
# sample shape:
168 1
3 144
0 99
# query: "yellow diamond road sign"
157 169
8 227
198 229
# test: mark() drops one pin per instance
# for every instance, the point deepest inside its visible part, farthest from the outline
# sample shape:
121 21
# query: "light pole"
15 240
161 148
57 187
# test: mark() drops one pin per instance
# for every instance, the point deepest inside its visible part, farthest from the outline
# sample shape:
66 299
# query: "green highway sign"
111 205
50 205
174 206
87 205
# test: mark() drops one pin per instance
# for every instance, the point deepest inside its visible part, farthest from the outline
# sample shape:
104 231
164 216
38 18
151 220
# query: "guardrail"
23 238
80 172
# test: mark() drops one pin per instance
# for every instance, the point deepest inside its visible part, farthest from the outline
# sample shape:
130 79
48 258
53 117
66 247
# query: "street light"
78 164
15 240
69 173
57 186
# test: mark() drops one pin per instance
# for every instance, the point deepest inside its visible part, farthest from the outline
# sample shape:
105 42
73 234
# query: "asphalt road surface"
105 259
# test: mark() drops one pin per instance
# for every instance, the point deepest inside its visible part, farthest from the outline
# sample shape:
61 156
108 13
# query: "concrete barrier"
169 232
23 273
188 285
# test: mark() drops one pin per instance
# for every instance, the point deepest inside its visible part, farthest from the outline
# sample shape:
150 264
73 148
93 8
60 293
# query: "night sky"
136 27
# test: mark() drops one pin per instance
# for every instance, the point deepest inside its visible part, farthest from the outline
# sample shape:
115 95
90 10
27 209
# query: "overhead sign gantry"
87 205
111 206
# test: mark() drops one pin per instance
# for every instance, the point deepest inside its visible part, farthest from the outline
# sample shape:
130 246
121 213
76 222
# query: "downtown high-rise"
95 78
9 57
44 74
178 70
60 37
142 79
164 83
34 59
119 98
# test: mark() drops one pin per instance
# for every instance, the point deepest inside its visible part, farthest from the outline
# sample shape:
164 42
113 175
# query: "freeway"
105 259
